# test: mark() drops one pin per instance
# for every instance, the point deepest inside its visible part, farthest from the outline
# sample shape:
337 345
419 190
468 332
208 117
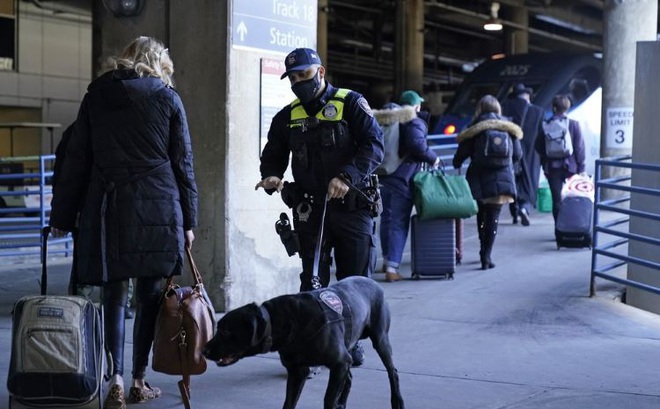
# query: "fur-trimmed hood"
389 116
499 124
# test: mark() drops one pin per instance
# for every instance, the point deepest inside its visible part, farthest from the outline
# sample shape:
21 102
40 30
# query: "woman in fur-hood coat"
491 186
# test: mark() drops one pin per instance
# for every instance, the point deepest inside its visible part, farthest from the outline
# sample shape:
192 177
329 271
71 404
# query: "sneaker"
392 275
357 353
524 217
115 398
144 394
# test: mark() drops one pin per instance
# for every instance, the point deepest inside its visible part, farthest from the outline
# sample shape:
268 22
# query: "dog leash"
316 281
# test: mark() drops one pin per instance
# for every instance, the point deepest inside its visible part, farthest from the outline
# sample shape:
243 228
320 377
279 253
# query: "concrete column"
196 34
645 150
625 23
322 31
110 34
516 40
409 52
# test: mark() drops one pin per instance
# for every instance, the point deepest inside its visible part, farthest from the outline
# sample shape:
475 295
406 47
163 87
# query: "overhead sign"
619 128
274 25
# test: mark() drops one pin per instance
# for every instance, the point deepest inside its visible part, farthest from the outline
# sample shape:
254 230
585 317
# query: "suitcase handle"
44 253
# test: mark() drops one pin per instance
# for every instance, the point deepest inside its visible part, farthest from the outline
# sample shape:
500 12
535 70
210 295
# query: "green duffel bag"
438 195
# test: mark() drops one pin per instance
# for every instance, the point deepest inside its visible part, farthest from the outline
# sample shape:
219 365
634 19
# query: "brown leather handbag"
185 323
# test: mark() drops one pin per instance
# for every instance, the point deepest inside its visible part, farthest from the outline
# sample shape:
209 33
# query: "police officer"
335 144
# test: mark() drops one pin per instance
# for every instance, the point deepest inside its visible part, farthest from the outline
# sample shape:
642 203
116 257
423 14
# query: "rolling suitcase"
573 225
57 354
433 248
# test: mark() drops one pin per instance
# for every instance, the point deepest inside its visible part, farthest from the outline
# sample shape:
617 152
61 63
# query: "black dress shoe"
128 314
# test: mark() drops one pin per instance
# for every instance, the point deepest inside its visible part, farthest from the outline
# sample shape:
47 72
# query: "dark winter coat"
488 182
530 164
575 163
412 146
129 172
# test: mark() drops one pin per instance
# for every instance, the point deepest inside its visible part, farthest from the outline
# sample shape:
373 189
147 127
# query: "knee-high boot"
490 223
480 228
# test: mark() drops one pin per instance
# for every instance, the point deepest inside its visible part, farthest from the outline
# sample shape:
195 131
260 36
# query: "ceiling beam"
541 33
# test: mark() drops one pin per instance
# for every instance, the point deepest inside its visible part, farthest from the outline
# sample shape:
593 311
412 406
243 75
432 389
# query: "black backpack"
492 149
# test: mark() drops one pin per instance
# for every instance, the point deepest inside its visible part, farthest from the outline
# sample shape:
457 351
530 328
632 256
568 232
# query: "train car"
548 74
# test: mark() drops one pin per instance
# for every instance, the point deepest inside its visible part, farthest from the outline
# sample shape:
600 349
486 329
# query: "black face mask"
306 90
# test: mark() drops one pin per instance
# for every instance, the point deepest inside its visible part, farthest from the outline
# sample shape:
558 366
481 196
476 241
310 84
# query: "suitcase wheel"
415 277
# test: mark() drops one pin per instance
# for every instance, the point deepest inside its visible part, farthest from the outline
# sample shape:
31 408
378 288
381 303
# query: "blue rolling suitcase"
433 248
574 220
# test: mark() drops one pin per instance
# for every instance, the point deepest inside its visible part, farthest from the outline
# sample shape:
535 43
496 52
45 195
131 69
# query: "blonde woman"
129 176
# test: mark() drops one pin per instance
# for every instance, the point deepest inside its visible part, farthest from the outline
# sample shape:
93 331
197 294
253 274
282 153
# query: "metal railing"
28 195
614 253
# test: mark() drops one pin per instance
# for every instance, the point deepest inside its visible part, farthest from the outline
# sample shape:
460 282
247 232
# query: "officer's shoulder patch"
362 102
332 300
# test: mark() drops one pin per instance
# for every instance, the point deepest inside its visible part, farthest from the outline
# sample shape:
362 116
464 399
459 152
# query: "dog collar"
268 340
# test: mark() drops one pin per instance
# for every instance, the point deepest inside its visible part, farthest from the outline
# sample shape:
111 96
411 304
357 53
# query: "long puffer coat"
485 182
128 176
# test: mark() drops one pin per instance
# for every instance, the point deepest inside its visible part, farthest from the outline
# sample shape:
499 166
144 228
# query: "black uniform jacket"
357 161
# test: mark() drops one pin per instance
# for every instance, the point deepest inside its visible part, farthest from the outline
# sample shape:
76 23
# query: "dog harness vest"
332 300
331 311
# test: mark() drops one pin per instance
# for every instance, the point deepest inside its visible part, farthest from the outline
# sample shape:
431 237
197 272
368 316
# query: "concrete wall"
54 67
645 150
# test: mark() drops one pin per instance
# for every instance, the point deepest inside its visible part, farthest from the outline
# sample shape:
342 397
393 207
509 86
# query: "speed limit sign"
619 128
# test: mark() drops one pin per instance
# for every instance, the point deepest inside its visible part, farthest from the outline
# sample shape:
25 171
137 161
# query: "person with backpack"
561 147
493 145
404 139
529 117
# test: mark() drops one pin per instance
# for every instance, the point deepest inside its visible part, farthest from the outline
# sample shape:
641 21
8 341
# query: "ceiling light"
493 23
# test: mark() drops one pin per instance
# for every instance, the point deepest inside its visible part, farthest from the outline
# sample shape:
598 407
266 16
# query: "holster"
291 194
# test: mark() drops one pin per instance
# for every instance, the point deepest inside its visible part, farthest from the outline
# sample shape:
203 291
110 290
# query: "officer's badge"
362 102
333 301
330 111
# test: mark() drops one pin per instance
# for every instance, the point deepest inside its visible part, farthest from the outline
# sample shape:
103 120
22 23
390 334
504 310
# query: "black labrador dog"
311 329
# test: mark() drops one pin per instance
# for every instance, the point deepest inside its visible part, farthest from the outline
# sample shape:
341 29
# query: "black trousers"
556 178
147 297
351 235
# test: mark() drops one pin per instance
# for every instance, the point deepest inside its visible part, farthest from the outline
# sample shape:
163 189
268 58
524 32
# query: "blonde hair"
148 57
487 104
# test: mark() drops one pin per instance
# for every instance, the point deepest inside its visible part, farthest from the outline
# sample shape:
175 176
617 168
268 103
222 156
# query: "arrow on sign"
242 30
